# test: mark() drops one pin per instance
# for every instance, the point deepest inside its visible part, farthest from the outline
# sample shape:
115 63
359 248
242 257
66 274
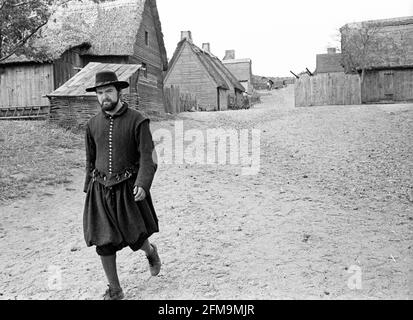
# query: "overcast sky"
278 36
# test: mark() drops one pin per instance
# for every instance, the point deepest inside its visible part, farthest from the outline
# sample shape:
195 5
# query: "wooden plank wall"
375 86
150 87
327 89
66 67
243 72
177 101
25 85
223 99
148 53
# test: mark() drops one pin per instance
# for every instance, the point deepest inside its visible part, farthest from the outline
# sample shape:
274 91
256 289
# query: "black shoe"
112 294
154 262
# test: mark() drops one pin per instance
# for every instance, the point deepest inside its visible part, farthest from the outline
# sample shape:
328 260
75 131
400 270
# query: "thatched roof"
215 68
234 81
109 27
399 21
77 85
390 43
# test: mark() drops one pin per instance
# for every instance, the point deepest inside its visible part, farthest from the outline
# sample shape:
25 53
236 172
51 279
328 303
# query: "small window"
144 70
147 38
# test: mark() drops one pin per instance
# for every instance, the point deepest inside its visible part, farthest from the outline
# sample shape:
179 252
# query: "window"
147 38
144 70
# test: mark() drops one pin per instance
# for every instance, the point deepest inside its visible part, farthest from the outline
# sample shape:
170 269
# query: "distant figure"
245 101
270 84
120 166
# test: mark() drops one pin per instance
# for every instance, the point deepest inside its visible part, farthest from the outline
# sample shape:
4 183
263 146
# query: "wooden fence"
176 101
327 89
25 113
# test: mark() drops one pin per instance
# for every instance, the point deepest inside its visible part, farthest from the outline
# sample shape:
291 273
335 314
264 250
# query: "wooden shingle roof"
77 85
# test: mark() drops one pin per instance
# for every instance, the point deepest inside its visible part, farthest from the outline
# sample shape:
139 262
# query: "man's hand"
139 194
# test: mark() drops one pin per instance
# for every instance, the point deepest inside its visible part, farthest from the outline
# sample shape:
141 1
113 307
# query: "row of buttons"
110 145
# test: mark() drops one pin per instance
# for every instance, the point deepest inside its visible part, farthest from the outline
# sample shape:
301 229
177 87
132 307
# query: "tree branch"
22 42
3 3
19 4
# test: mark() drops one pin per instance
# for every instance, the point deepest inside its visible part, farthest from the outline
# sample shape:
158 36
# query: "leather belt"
114 179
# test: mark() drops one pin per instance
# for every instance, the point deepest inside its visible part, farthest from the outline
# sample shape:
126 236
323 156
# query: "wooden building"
25 81
71 106
387 67
240 68
119 31
199 72
329 62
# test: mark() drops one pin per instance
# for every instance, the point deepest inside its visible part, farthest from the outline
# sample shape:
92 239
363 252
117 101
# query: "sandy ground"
329 216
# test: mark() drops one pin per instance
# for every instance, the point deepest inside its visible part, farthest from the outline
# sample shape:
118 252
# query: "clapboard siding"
150 87
242 70
150 53
190 76
25 84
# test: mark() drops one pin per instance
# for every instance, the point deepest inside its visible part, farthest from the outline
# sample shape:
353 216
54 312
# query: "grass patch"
35 154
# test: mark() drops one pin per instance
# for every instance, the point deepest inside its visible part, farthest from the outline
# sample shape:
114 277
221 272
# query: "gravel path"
332 203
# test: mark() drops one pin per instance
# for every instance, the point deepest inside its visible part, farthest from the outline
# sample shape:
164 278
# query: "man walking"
120 167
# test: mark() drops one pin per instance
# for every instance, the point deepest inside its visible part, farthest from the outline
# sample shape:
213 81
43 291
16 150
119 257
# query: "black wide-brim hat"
106 78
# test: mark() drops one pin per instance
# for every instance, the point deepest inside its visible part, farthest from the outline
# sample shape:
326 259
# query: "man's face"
108 97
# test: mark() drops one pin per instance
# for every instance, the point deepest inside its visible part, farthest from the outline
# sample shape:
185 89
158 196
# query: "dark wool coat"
119 156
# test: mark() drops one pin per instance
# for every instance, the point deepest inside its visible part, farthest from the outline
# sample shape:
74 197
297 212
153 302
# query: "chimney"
186 35
331 50
229 54
206 47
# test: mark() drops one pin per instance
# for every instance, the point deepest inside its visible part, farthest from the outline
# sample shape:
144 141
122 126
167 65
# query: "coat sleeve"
147 156
90 157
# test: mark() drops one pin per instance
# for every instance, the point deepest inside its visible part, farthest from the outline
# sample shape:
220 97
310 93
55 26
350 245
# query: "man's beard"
109 105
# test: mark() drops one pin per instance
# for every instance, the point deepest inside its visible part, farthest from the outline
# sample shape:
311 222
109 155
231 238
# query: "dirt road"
328 216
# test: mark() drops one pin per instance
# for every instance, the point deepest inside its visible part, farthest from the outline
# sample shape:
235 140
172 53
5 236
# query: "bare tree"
359 46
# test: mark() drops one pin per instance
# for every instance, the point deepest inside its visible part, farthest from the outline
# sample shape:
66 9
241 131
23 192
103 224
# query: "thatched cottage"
381 51
118 31
198 71
240 68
